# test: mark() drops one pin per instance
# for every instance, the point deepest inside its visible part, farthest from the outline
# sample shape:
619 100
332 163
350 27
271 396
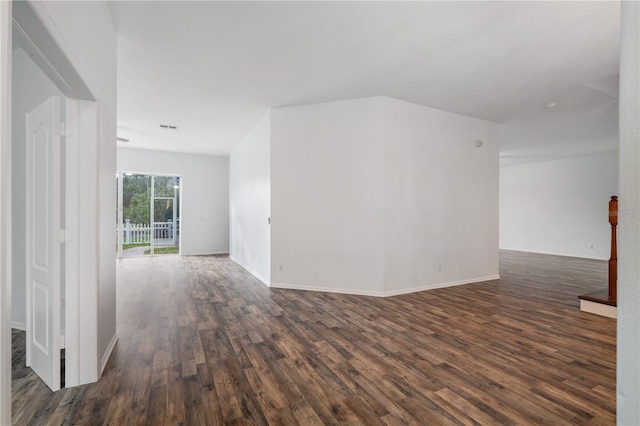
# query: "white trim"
59 59
598 309
441 285
221 253
107 353
56 283
327 289
88 239
5 212
382 293
217 253
72 256
19 326
255 274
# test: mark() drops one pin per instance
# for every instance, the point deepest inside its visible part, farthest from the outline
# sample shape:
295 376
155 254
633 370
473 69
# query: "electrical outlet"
282 267
439 268
591 246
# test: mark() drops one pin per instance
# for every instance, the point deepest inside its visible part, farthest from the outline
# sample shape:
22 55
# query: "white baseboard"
441 285
383 293
328 289
206 254
261 278
598 308
107 353
255 274
19 325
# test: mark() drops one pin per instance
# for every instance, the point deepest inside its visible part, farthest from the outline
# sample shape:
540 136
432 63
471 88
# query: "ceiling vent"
168 126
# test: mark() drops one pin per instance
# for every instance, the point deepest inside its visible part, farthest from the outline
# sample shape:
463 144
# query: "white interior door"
43 246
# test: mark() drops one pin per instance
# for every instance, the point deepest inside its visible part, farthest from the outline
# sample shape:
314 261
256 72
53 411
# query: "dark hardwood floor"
202 342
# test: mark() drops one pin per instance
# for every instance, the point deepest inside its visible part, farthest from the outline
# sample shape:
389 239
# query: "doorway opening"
38 224
148 214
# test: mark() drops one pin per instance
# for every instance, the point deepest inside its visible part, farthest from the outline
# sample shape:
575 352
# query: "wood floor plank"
202 342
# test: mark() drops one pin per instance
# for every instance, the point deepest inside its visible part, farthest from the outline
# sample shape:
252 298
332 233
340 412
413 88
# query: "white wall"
30 87
559 207
441 198
204 221
628 374
250 201
379 196
327 186
90 39
5 212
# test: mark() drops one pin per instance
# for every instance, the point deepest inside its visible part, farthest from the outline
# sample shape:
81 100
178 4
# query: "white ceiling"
214 68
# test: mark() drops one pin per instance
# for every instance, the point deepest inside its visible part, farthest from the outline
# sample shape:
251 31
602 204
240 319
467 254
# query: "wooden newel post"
594 302
613 261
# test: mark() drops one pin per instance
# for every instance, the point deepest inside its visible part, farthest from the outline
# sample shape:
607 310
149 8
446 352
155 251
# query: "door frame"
31 22
34 27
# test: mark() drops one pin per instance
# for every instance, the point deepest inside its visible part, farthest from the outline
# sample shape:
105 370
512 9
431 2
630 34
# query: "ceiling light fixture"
551 105
119 139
